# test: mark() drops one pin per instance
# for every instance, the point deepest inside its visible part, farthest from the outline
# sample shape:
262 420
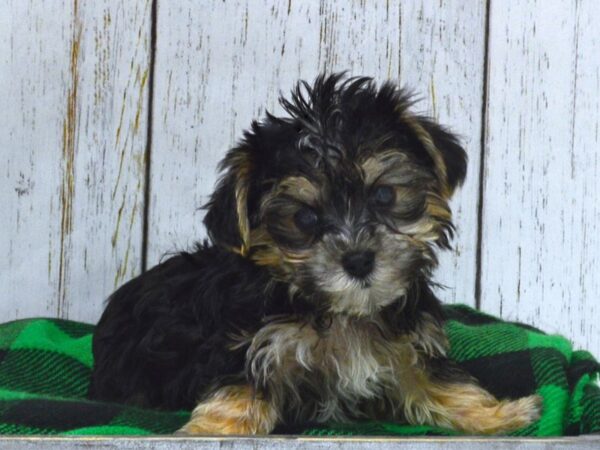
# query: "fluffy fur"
312 301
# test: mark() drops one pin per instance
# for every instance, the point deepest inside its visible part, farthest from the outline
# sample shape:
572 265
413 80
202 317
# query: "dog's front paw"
522 412
506 416
471 409
231 410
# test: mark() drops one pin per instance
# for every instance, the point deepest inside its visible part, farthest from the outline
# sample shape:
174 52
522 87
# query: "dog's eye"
306 219
383 195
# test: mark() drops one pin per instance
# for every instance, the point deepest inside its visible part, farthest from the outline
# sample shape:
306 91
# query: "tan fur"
427 141
242 170
266 253
466 407
391 166
429 228
376 165
437 207
300 188
232 410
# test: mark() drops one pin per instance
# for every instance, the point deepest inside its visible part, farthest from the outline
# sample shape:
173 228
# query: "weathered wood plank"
74 89
442 55
300 442
219 66
541 207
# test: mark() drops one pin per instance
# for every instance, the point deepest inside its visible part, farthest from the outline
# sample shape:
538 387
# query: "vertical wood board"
540 240
74 83
442 56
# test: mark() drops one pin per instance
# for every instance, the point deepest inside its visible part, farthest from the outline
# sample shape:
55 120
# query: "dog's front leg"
463 406
232 410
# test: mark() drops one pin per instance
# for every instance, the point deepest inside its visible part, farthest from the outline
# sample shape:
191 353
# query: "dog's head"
345 199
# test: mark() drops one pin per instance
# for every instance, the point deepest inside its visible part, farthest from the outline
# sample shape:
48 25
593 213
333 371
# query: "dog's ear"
227 220
444 149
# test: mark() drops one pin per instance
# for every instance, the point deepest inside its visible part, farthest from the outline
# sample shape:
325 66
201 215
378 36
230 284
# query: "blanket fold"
45 365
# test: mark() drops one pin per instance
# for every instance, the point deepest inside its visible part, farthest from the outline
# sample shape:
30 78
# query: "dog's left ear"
444 149
227 220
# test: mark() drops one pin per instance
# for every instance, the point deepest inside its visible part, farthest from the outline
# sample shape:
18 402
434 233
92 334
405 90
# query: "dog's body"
313 301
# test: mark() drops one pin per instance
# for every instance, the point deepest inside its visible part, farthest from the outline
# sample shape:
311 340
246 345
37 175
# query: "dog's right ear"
226 220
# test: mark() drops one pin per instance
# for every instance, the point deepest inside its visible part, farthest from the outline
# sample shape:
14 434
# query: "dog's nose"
359 263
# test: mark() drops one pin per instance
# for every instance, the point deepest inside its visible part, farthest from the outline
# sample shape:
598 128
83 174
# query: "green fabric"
45 365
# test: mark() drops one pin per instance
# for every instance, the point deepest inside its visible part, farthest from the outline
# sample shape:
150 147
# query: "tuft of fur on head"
302 192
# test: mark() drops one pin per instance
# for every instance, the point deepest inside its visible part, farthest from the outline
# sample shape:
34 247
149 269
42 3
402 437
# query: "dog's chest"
343 367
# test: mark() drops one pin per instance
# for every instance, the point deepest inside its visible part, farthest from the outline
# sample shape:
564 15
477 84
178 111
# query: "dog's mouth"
361 284
365 284
365 297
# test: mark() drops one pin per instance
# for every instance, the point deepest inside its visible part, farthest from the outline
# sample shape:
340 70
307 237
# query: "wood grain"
541 206
290 442
73 135
219 67
442 56
587 442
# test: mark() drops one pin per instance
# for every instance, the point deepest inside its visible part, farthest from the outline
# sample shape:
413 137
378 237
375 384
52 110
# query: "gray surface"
247 443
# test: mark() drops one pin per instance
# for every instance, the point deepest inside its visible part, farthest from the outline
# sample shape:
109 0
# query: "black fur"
163 337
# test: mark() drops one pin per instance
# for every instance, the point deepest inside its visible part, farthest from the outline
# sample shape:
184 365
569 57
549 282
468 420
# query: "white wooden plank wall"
75 83
541 208
73 127
442 59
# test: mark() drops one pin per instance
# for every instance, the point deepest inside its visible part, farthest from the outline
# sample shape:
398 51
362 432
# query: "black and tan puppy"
312 301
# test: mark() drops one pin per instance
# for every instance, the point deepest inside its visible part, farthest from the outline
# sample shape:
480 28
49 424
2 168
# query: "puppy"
312 301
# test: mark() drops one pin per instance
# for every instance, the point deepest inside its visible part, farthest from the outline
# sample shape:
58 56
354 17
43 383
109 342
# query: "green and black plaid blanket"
45 366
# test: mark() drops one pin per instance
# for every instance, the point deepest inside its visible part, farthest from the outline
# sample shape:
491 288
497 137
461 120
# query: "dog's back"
162 338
